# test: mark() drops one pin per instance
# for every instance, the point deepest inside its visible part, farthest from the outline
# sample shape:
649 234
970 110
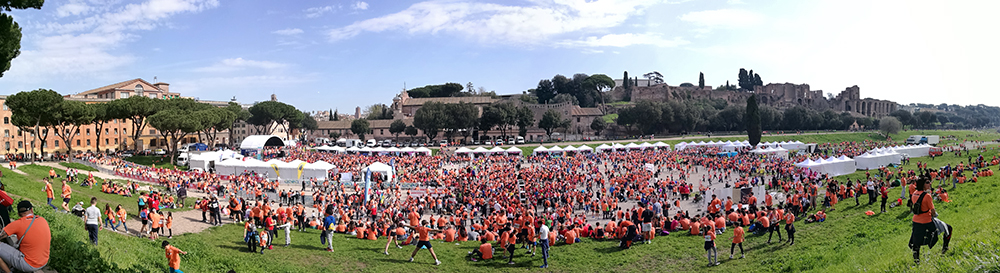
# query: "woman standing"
923 215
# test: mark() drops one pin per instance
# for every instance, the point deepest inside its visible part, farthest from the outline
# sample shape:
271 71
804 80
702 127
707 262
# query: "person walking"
92 218
173 257
713 252
67 193
738 234
543 239
49 193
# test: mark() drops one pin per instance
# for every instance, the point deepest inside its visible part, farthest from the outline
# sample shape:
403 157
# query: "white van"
182 160
520 140
372 143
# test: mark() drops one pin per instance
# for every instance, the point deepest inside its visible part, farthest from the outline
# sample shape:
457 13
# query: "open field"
848 241
149 160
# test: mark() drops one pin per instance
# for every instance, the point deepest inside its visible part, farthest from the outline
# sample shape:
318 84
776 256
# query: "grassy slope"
848 241
159 160
77 166
81 194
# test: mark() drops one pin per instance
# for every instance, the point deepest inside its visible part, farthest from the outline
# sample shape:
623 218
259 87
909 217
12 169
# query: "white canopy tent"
830 166
868 161
379 167
556 150
258 142
661 146
463 150
602 148
514 150
584 149
913 150
319 170
498 151
423 151
480 150
540 149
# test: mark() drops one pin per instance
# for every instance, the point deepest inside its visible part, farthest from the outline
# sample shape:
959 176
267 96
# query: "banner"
276 173
368 184
301 166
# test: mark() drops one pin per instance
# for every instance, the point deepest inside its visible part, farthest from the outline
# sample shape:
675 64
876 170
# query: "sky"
319 55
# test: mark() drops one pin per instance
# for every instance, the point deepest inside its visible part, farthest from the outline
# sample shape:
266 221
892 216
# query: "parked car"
128 153
443 143
499 142
159 152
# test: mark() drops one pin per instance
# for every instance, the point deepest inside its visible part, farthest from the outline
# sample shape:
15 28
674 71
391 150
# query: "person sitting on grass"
820 216
484 252
33 239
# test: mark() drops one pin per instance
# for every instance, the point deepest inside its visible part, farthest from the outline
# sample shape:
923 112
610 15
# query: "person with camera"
923 216
30 239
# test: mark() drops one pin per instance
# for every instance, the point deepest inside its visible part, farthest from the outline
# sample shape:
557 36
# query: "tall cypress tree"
701 80
626 80
752 120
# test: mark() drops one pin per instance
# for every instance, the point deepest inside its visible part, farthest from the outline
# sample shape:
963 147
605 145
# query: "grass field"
77 166
849 241
159 161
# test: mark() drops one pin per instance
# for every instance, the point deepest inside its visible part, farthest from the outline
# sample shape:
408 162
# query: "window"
6 120
381 131
124 131
138 89
45 144
124 95
152 132
5 109
106 131
116 141
20 144
6 145
56 143
88 131
106 141
18 132
77 142
116 131
78 131
88 142
6 133
577 119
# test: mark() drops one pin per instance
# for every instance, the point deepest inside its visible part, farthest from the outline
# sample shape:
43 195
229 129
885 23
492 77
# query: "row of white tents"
632 147
493 151
375 150
778 152
872 159
276 169
730 145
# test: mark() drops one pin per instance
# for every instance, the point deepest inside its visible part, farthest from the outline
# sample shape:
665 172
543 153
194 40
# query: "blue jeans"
107 223
121 223
545 250
50 203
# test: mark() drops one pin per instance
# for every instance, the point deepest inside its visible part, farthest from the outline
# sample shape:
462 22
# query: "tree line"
39 111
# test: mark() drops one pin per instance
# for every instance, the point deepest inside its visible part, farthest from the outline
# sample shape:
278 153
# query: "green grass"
159 160
610 118
849 241
83 194
77 166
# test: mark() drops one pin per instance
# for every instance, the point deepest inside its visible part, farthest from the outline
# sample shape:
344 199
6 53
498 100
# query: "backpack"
916 207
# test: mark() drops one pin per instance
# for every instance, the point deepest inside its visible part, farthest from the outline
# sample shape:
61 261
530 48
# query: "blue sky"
318 55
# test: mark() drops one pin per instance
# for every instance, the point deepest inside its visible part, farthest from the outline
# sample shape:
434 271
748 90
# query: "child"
710 245
173 257
170 225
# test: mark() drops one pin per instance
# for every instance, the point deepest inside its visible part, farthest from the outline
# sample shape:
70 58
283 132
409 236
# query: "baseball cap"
23 206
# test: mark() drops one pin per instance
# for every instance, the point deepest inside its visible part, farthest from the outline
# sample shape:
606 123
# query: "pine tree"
701 80
626 80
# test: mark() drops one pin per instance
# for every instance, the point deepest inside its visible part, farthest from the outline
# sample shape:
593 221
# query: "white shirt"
543 232
93 215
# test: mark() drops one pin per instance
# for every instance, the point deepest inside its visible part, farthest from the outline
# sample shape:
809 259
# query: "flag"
368 184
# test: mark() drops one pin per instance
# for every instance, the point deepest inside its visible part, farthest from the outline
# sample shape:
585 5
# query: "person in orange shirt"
66 194
484 252
173 257
790 228
425 240
923 218
155 224
49 193
737 240
170 225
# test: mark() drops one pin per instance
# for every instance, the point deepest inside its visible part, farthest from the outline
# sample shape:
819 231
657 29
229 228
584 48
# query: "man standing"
66 194
647 223
543 239
424 241
49 193
923 225
92 217
34 236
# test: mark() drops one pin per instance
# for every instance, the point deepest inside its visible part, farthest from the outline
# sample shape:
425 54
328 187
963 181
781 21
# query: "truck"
922 139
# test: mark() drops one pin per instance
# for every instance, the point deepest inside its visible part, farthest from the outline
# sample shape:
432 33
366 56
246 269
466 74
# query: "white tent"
645 146
570 148
365 150
352 150
319 170
632 146
584 149
603 147
407 150
480 150
463 150
514 150
914 150
868 161
273 168
229 166
772 152
833 166
423 150
618 147
540 149
680 146
379 167
660 145
378 150
556 150
290 170
498 151
259 141
392 150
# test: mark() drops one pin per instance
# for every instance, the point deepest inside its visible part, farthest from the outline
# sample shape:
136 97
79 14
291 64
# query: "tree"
598 125
239 114
176 124
101 117
68 117
397 126
491 117
626 118
647 116
430 119
434 91
654 77
904 117
701 80
335 116
360 127
378 111
597 84
551 120
625 81
545 91
218 119
752 121
265 113
524 119
460 117
10 31
34 109
135 109
565 98
410 131
889 125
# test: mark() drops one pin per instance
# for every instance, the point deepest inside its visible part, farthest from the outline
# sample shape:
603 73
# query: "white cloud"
723 18
72 8
592 51
494 23
626 39
360 5
229 65
735 2
87 46
319 11
288 31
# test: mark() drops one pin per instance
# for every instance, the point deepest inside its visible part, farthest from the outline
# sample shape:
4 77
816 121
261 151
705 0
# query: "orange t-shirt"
738 235
414 219
360 232
695 228
174 257
449 235
764 221
49 193
66 191
926 205
570 237
35 247
423 231
487 250
789 218
154 219
504 238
